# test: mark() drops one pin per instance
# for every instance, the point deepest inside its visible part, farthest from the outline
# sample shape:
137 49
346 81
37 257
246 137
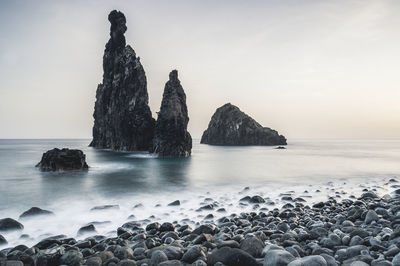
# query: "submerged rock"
87 229
171 136
34 211
63 160
230 126
105 207
3 241
8 224
122 117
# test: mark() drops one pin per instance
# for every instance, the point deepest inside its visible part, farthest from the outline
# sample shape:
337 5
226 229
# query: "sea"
142 185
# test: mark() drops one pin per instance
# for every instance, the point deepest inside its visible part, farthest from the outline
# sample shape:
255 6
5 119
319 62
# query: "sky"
309 69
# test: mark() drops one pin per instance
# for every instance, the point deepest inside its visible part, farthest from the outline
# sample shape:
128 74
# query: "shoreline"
341 230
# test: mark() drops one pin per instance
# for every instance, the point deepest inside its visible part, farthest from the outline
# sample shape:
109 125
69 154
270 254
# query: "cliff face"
171 136
230 126
122 117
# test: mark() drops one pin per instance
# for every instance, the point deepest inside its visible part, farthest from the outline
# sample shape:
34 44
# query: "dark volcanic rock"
231 256
3 241
8 224
63 160
90 228
230 126
105 207
34 211
122 117
171 136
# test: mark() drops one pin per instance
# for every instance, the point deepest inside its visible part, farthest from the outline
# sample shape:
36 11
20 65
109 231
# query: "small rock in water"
369 194
8 224
105 207
87 229
34 211
139 205
165 227
257 199
175 203
63 160
3 241
280 148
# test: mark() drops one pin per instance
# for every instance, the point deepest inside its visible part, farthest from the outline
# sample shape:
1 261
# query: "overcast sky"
309 69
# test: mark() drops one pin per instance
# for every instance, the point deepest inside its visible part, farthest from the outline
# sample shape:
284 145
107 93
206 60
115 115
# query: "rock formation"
9 224
122 117
63 160
35 211
171 136
230 126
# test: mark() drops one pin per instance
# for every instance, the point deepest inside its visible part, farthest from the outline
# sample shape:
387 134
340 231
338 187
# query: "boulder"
171 136
87 229
8 224
3 241
396 260
231 256
252 245
194 253
63 160
122 117
174 203
157 257
71 257
371 216
230 126
277 257
34 211
205 229
309 261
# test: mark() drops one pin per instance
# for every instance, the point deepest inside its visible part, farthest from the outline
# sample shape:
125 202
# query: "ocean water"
142 185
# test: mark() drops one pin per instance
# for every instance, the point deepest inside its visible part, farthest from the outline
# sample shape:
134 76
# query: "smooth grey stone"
230 256
252 245
371 216
309 261
193 253
396 260
157 257
71 257
276 257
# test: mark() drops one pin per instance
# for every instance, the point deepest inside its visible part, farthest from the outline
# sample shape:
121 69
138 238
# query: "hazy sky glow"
310 69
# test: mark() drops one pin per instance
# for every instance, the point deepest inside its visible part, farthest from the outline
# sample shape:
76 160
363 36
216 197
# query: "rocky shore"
363 230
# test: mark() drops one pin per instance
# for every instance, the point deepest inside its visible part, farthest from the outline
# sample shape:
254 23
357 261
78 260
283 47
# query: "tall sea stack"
231 127
171 136
122 117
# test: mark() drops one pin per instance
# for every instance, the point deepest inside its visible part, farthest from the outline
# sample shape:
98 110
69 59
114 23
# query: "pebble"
363 231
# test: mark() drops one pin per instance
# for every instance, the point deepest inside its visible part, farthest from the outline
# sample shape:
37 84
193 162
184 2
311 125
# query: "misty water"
213 174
